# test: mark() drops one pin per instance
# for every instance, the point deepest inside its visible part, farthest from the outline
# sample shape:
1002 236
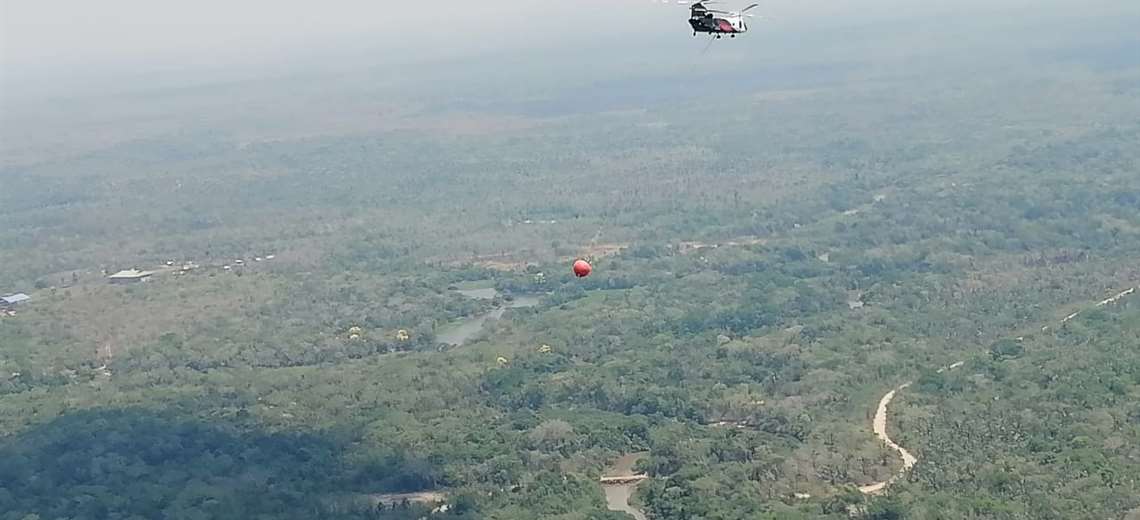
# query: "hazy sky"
42 35
69 31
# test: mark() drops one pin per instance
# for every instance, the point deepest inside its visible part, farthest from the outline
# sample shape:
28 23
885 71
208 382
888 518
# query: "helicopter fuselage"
705 21
717 25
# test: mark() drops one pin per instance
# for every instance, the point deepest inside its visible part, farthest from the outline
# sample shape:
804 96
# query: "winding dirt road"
879 423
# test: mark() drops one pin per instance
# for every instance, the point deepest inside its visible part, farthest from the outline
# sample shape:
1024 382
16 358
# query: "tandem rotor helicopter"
715 22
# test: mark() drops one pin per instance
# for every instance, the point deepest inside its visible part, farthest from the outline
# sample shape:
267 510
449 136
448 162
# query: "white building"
130 276
14 300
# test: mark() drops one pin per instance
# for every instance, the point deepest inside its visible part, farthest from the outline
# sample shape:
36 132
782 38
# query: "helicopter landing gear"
718 36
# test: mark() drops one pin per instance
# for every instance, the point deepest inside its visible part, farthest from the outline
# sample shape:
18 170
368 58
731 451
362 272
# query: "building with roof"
13 300
130 276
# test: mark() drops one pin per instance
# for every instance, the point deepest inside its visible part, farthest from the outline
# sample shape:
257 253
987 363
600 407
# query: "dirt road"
879 423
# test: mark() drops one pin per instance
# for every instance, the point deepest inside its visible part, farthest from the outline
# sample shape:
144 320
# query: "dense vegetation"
1055 415
843 232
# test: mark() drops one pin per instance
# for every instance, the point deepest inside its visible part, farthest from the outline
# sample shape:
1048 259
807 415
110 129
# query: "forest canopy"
372 316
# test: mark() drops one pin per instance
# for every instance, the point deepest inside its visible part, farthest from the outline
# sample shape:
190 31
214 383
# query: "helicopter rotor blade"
749 7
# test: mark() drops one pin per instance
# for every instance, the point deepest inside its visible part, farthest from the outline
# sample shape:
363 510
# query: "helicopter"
717 23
